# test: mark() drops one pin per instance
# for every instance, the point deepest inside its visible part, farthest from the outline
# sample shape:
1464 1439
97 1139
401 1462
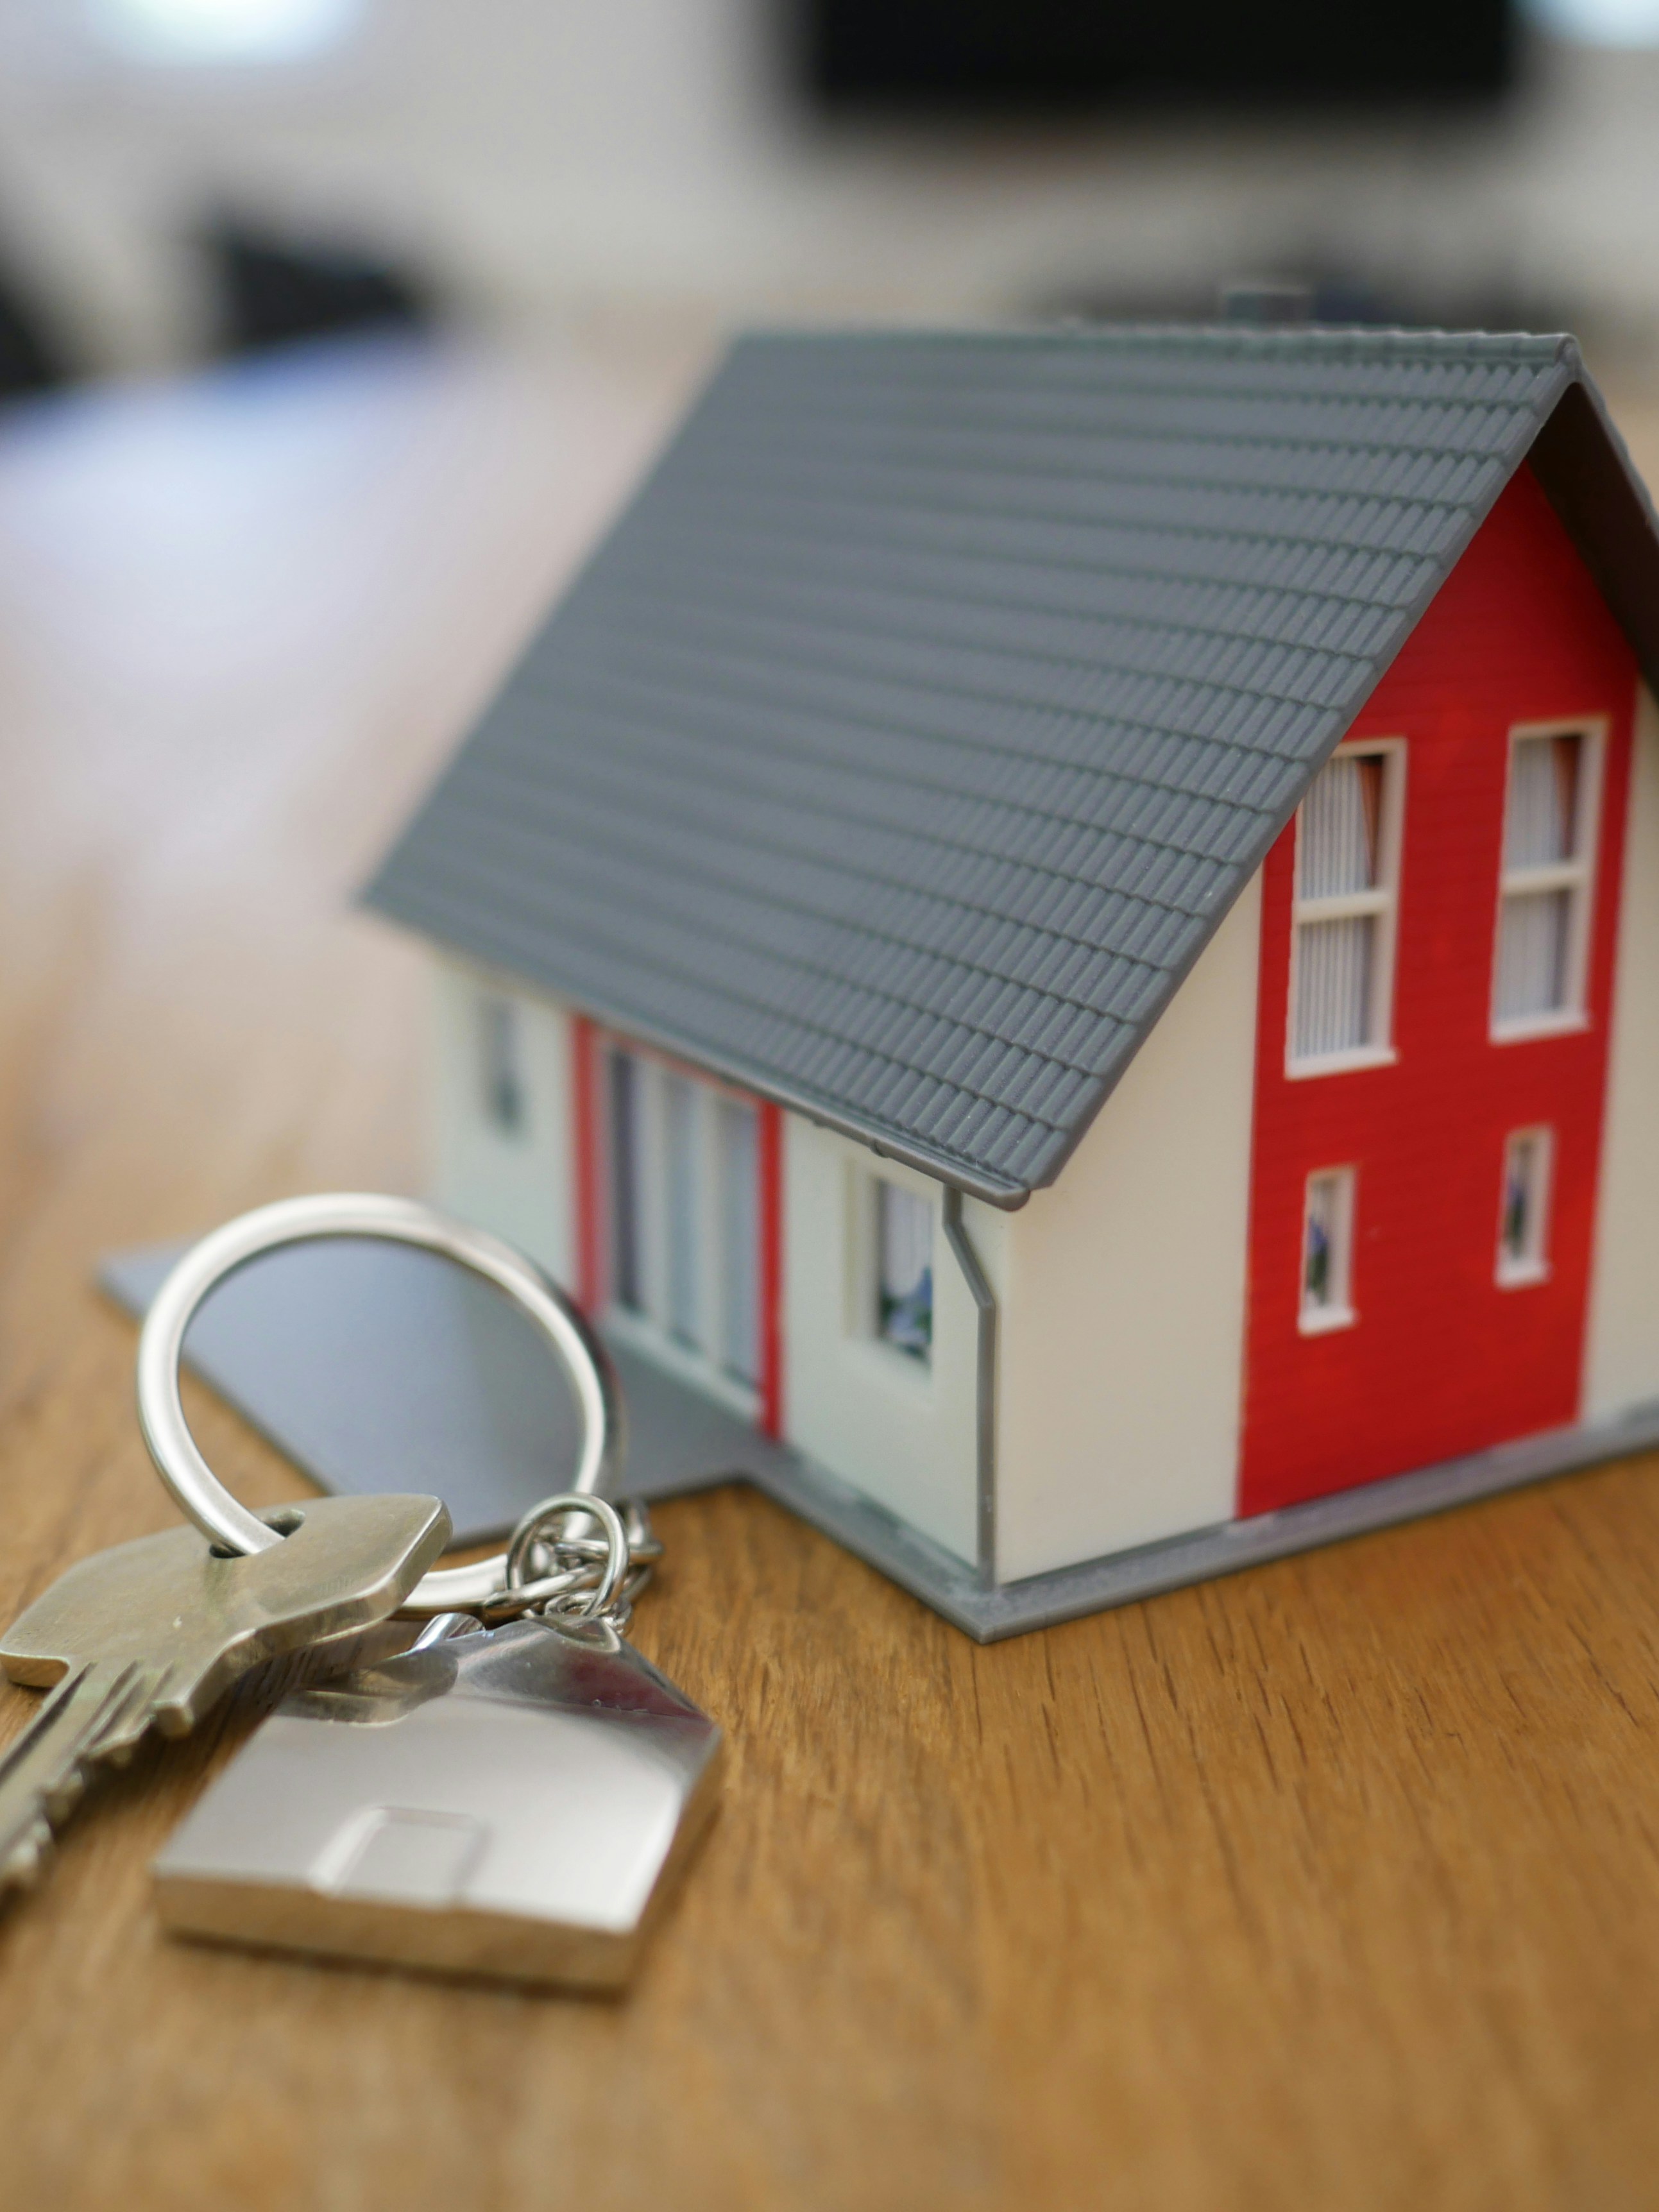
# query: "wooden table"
1333 1884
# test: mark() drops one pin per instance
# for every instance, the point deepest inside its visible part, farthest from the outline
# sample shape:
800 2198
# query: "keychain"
513 1795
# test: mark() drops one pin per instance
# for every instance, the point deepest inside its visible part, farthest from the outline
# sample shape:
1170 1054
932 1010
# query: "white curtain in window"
684 1162
1337 854
1532 954
1540 827
679 1113
1338 844
1333 964
739 1181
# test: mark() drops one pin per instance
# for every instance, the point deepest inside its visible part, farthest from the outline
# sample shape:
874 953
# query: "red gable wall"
1441 1361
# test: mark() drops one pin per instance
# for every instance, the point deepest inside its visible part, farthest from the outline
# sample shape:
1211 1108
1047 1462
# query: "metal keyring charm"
198 1490
534 1528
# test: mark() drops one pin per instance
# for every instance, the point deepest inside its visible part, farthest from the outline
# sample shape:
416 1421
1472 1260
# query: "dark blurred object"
1002 54
28 360
270 291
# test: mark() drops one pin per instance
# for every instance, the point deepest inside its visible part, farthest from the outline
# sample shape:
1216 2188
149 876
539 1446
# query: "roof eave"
1003 1192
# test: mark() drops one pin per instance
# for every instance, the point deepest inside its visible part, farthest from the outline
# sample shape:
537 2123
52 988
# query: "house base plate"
346 1357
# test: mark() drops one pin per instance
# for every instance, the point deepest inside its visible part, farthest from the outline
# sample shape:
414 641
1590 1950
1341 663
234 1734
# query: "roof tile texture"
915 726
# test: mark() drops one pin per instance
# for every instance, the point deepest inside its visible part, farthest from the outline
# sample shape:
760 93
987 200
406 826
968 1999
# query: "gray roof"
901 748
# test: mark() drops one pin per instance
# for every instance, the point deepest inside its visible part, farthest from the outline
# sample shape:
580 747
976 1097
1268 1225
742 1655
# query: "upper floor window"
1347 880
1544 909
684 1211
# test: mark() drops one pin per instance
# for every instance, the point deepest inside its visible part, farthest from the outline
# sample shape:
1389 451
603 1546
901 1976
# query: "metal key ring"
198 1490
534 1528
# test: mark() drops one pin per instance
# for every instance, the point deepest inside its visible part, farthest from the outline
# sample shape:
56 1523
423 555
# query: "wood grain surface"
1332 1884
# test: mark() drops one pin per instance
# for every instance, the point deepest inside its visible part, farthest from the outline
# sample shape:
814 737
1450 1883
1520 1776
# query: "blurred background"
179 178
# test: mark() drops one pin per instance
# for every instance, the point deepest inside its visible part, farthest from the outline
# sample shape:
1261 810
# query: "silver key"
151 1633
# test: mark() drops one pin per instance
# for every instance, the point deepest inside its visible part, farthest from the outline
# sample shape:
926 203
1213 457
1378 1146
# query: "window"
1523 1216
737 1129
501 1074
684 1212
1549 838
1327 1252
1347 874
904 1269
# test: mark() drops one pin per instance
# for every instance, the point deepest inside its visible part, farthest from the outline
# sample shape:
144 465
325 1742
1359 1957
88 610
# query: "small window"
904 1269
1549 838
500 1076
627 1164
681 1145
1347 874
1327 1251
1523 1219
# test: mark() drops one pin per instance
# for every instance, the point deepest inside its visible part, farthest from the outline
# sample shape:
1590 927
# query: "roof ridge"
1384 341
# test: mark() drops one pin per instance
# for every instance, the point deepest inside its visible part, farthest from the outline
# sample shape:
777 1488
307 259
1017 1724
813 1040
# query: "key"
150 1634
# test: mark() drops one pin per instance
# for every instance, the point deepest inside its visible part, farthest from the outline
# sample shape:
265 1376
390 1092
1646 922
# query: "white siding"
1123 1292
1622 1350
518 1183
902 1432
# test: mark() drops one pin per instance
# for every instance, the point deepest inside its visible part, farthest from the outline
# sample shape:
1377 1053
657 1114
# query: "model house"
1067 928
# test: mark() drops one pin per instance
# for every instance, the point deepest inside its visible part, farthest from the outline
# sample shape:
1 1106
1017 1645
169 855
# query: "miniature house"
1066 927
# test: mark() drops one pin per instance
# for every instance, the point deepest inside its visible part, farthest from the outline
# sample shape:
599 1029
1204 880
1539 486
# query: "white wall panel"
1123 1291
1621 1364
517 1182
902 1433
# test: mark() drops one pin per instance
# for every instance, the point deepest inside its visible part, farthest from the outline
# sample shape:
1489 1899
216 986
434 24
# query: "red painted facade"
1441 1360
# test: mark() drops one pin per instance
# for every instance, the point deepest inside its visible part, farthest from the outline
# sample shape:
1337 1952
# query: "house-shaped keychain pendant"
514 1802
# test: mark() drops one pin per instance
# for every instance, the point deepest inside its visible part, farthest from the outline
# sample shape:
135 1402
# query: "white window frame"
1341 1313
649 1325
1577 876
1512 1273
1383 901
862 1304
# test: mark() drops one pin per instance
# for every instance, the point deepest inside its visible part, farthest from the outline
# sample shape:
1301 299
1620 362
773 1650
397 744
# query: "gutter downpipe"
985 1386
